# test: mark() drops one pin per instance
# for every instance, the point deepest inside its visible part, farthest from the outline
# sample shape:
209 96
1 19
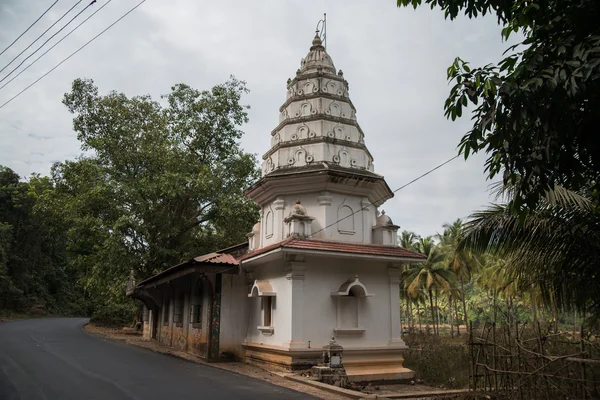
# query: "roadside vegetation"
159 182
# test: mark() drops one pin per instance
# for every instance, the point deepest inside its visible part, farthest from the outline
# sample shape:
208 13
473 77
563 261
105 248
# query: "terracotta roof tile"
337 247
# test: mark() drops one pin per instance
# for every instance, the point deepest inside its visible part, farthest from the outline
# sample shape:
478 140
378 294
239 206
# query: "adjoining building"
321 262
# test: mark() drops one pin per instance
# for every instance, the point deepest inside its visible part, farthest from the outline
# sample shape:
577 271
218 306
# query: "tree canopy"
536 109
160 182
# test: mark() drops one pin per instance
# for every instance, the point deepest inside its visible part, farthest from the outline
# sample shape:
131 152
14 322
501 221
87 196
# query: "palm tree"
429 276
408 240
555 247
460 260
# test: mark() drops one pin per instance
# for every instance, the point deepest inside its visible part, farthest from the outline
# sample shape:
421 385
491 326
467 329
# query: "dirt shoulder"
251 371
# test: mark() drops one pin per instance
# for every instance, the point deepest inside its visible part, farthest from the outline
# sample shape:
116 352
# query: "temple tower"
318 159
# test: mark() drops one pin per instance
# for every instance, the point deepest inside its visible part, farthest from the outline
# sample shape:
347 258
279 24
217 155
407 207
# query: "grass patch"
438 360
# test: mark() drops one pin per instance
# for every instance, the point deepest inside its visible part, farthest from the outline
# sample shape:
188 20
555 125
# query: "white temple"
328 261
321 261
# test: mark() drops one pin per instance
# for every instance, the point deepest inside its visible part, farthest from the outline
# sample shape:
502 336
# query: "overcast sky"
394 59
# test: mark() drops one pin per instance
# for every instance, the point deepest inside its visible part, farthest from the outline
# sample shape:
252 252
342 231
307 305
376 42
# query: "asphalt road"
55 359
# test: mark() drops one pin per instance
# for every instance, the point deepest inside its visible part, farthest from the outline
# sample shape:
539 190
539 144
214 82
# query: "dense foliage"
34 274
535 113
536 109
442 294
161 182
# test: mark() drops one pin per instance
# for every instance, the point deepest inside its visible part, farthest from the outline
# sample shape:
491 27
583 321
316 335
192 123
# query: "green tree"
460 260
32 257
408 240
162 182
430 276
535 110
556 248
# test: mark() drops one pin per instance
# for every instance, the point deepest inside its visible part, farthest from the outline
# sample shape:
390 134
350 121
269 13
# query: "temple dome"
383 220
256 228
317 58
298 209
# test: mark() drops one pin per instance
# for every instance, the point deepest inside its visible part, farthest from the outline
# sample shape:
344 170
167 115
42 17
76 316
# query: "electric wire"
30 26
72 54
55 44
38 38
394 191
47 40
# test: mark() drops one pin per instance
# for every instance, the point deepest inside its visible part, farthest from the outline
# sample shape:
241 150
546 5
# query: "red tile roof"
337 247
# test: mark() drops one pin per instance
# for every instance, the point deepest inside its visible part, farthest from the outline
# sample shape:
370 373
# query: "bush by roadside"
438 360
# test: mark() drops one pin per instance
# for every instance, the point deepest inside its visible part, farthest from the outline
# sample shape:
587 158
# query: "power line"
72 54
30 26
394 191
38 38
54 45
47 40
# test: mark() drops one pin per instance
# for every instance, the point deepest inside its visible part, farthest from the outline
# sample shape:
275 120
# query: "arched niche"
269 224
345 220
305 109
352 287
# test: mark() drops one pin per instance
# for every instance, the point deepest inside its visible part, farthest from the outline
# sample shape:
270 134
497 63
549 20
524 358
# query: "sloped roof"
214 262
337 247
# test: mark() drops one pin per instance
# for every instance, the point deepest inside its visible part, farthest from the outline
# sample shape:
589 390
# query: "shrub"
438 360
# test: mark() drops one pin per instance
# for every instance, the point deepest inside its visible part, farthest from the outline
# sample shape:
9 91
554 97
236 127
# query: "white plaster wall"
314 85
300 155
281 313
234 312
324 276
318 105
325 214
318 128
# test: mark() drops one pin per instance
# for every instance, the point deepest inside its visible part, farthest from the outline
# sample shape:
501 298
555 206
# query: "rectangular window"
178 310
196 306
267 307
196 314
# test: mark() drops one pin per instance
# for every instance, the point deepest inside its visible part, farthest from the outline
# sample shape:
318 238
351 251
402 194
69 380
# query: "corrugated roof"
223 259
337 247
216 258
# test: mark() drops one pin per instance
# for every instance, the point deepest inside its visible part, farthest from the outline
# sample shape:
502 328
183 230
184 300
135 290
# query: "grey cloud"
394 59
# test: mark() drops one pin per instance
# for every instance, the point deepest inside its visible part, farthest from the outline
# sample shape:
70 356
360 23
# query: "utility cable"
73 53
55 44
38 38
394 191
47 40
30 26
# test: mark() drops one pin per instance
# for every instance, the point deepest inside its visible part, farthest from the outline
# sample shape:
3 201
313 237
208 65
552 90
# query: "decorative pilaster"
278 206
395 328
295 274
366 224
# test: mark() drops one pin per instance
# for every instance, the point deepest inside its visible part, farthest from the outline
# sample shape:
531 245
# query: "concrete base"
280 357
362 365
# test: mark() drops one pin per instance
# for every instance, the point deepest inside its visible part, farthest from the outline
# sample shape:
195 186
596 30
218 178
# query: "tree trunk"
437 314
457 318
450 315
555 312
431 306
464 303
495 305
534 316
